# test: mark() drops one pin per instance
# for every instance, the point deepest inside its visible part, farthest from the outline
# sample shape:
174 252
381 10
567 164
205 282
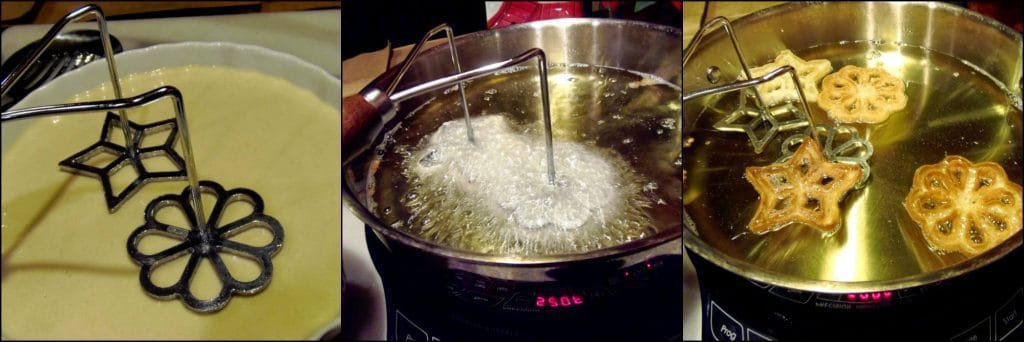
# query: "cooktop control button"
1008 317
478 298
723 326
480 285
907 293
521 302
502 289
406 330
753 335
759 284
978 332
799 297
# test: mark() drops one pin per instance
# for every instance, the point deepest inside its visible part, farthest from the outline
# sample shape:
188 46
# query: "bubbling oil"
500 179
616 140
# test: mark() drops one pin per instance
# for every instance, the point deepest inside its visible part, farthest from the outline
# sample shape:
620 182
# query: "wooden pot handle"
355 114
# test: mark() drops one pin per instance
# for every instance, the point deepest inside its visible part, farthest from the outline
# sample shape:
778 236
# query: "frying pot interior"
940 27
634 46
630 45
860 261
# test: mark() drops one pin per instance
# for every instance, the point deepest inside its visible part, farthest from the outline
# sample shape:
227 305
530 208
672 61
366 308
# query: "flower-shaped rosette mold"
206 243
964 207
861 95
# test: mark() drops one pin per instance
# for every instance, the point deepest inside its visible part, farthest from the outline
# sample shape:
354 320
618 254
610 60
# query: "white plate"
269 62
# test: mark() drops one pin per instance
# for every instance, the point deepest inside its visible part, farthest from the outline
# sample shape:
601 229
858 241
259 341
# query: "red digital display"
559 301
869 297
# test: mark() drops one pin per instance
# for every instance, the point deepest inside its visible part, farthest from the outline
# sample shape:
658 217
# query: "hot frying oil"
628 121
953 108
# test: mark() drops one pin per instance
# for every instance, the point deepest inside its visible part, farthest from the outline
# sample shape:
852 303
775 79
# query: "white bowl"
269 62
246 57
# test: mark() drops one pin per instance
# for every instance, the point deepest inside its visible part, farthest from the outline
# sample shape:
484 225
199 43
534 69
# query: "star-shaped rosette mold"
762 127
77 163
206 243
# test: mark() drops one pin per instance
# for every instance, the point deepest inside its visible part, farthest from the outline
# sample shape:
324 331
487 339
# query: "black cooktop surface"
638 302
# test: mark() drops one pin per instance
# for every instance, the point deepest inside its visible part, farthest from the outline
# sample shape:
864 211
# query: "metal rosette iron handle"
854 150
203 238
380 96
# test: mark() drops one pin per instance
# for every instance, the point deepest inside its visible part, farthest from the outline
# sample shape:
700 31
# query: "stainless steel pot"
878 258
636 46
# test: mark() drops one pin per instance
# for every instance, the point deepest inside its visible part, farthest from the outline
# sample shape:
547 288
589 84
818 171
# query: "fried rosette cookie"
782 89
964 207
864 95
805 189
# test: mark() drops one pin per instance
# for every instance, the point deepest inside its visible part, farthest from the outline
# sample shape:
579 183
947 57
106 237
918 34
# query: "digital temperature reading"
558 301
869 297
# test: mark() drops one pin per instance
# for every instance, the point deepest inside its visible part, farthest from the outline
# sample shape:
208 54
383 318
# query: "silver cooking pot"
939 27
629 45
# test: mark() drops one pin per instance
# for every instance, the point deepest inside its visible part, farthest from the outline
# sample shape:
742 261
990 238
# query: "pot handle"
356 112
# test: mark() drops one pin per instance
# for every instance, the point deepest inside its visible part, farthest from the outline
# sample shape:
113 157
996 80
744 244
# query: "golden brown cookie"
782 89
865 95
805 189
963 207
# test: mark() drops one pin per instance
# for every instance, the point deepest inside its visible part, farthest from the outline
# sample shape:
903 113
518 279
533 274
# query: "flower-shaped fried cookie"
963 207
865 95
206 243
805 189
782 88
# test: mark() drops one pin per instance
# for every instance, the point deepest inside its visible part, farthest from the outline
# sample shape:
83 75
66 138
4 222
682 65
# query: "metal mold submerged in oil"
631 119
952 109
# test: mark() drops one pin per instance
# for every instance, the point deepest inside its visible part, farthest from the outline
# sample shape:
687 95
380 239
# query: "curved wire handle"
126 103
735 46
416 49
542 67
208 239
108 53
786 69
348 193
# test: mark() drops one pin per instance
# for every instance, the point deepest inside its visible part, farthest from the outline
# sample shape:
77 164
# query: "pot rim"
666 235
745 269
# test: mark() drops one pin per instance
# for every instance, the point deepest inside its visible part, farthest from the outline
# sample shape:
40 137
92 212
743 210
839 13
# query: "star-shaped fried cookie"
964 207
805 189
782 88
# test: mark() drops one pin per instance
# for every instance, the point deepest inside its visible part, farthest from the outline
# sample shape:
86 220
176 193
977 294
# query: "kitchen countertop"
314 36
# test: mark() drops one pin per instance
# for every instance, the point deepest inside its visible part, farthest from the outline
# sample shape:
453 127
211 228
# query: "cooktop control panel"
984 305
640 301
843 301
1003 324
556 297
